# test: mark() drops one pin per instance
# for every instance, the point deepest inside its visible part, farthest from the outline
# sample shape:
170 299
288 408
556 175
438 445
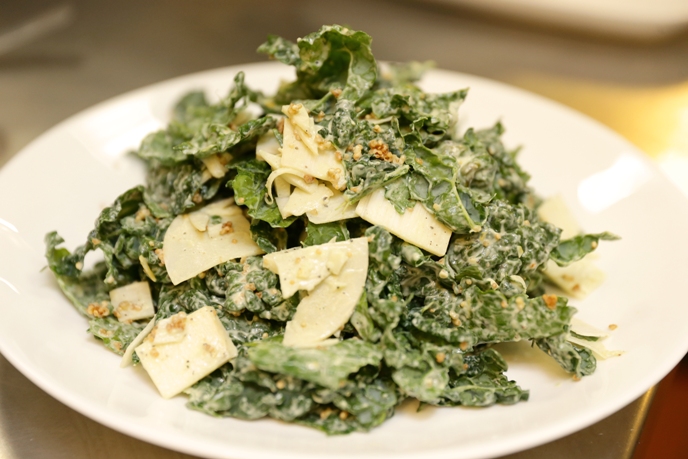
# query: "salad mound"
321 254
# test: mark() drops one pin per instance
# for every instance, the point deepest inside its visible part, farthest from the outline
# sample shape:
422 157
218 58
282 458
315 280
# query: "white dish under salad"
64 178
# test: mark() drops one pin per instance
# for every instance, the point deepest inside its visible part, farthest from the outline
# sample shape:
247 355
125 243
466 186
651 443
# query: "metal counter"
90 51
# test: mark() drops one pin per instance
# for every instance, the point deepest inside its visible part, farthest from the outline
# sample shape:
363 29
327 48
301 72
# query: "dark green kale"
250 191
328 366
398 193
375 149
511 242
431 116
476 317
114 334
200 129
488 169
60 261
482 383
574 249
243 294
325 232
173 190
455 305
572 358
159 147
268 238
124 232
218 138
241 390
362 321
434 183
89 295
332 59
360 405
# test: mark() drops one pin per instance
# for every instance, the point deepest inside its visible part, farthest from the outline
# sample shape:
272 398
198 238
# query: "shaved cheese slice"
301 202
171 330
337 260
199 220
305 268
578 279
330 305
200 346
129 353
282 191
555 211
224 207
189 252
281 206
304 126
229 212
282 187
132 302
146 268
335 208
215 166
298 115
268 150
416 226
584 328
274 161
325 165
598 349
298 181
291 176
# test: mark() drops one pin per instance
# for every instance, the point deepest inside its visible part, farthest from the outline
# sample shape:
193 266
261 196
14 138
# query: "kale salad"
321 254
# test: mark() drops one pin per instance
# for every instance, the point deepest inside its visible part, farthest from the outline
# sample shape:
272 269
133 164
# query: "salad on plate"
321 254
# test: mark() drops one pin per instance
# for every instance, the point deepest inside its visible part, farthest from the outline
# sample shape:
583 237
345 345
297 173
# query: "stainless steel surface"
35 425
113 47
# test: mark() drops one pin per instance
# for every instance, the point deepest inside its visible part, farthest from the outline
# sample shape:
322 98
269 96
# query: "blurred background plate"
635 19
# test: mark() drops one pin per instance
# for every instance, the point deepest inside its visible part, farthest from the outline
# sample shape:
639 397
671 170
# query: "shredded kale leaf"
574 359
334 58
124 232
250 191
200 129
574 249
268 238
173 190
483 383
325 232
327 366
87 289
362 402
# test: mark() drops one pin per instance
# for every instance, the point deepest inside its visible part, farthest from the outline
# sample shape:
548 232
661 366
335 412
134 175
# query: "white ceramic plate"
63 179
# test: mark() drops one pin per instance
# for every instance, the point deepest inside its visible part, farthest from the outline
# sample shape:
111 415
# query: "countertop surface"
62 57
